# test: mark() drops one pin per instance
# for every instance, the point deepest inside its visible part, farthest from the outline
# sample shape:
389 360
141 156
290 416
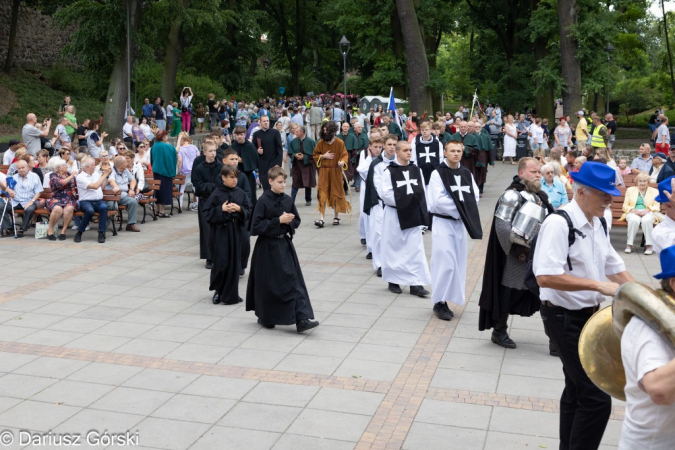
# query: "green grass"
641 120
29 93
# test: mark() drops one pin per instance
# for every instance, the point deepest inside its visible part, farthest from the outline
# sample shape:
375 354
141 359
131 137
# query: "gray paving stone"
160 380
380 353
102 312
344 334
147 316
93 419
416 314
276 342
81 325
236 438
191 321
51 367
132 401
60 309
474 363
350 320
281 394
50 337
12 361
170 333
124 329
316 347
509 420
395 338
329 424
507 441
439 437
294 442
97 342
220 338
169 434
199 353
463 415
34 320
340 400
73 393
13 334
193 408
465 380
309 364
89 297
475 347
219 387
37 415
259 359
8 402
113 374
531 386
258 416
125 302
370 370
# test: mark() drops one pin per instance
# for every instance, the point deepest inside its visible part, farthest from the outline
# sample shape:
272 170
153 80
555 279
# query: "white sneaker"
74 227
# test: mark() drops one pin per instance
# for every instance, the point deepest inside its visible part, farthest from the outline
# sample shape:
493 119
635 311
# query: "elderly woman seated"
64 197
639 207
550 183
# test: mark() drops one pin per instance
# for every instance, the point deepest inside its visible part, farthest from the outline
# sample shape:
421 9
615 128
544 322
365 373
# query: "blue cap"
664 186
667 264
597 176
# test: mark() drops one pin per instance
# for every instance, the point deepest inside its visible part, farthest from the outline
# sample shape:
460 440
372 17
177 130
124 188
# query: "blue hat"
664 186
667 264
597 176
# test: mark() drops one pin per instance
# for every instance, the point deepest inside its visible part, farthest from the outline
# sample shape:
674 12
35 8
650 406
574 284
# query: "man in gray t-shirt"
31 135
62 136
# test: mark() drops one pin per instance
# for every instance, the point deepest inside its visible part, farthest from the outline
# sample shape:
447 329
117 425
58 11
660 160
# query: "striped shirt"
26 188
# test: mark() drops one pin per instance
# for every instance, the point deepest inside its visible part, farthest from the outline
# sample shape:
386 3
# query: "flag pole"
473 102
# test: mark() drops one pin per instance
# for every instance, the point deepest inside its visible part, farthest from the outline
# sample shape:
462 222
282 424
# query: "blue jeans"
161 124
88 207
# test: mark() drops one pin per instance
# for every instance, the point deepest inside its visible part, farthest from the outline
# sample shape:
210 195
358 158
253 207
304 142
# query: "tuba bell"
600 340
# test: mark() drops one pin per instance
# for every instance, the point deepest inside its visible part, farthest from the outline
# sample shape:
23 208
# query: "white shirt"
8 157
84 180
127 129
537 133
592 257
661 132
646 425
663 235
147 131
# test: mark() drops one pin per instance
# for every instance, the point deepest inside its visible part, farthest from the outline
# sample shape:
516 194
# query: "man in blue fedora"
649 363
663 235
572 278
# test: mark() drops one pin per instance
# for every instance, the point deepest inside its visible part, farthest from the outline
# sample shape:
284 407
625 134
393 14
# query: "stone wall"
38 39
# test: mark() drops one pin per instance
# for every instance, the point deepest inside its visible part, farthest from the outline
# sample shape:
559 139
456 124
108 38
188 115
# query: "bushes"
635 98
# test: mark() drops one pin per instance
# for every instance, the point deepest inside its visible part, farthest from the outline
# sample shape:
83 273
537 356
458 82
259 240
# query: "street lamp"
609 49
344 49
266 65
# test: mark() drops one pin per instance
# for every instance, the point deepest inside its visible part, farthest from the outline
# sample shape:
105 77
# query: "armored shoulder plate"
508 205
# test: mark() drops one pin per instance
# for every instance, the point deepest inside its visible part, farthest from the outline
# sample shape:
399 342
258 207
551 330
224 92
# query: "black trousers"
204 230
308 194
584 408
251 181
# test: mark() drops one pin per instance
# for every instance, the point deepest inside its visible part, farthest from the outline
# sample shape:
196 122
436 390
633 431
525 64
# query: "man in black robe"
205 179
276 289
226 211
471 147
504 291
270 152
248 159
303 168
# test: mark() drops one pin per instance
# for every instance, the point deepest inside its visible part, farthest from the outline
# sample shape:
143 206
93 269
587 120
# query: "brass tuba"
600 340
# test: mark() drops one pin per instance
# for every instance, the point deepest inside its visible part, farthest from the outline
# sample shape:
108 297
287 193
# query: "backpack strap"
571 234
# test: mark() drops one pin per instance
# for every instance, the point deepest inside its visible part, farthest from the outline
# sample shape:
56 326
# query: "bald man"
31 135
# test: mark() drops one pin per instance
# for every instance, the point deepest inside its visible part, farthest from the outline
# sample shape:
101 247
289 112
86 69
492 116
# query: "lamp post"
609 49
344 49
266 65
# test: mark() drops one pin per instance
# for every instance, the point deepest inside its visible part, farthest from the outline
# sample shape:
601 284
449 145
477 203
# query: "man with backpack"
571 275
504 291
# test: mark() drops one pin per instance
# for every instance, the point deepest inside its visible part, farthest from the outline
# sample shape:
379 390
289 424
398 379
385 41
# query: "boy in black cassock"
226 211
231 158
276 290
248 159
206 179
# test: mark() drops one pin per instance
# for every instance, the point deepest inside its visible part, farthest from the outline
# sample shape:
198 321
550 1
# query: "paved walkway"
123 336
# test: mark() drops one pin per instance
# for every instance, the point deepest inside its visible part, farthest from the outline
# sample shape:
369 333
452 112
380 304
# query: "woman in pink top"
186 157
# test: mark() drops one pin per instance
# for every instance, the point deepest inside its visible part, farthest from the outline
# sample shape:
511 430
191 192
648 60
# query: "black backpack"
530 280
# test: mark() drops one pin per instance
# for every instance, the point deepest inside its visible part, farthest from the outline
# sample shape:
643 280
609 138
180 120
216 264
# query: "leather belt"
443 216
281 236
587 310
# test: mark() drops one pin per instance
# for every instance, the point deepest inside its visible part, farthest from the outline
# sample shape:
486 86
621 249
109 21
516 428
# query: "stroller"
11 183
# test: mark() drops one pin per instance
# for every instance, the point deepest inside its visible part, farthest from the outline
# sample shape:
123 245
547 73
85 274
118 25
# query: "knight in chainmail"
518 215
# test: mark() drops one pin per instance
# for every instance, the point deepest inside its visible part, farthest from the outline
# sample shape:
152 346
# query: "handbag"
42 227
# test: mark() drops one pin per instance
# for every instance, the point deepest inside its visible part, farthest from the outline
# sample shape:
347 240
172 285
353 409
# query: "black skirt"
165 194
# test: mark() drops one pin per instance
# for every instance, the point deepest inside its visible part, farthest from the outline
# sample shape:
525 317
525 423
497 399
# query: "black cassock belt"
443 216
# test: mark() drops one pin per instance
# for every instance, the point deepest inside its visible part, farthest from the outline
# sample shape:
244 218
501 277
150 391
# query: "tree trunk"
418 66
11 46
113 113
171 59
670 56
568 16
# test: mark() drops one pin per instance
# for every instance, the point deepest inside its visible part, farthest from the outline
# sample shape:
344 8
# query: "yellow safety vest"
597 140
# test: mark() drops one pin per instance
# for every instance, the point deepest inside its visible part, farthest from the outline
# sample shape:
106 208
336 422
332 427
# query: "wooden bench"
178 181
150 198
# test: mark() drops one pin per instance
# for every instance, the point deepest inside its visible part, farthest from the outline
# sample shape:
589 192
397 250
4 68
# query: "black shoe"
51 237
101 238
552 350
242 272
442 311
308 204
209 264
265 325
363 242
502 339
369 255
78 237
216 298
418 291
306 324
379 272
395 288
